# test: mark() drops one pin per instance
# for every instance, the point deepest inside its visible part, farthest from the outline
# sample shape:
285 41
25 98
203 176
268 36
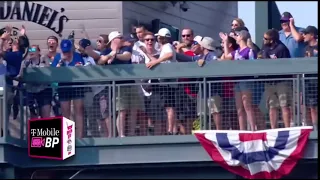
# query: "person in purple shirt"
243 90
67 94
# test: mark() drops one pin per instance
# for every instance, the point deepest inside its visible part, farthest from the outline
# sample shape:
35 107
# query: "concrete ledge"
130 150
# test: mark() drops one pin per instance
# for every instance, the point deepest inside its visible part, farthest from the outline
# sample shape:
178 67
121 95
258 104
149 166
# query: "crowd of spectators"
159 106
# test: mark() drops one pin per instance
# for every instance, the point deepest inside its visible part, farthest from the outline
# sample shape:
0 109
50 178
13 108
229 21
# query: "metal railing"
116 101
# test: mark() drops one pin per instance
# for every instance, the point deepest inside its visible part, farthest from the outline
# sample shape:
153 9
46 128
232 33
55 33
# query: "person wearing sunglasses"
100 55
278 94
237 22
41 95
187 40
154 105
310 35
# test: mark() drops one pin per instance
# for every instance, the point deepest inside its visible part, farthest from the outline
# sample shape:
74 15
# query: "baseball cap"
113 35
207 43
286 16
84 43
129 38
310 30
66 45
164 32
197 39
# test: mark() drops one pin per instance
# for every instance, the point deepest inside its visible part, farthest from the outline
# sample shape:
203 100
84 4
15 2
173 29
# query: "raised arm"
296 34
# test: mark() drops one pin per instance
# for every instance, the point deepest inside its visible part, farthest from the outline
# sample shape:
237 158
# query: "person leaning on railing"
101 56
168 91
310 35
69 58
39 94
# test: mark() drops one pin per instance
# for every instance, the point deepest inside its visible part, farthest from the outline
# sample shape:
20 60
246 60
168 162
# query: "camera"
184 6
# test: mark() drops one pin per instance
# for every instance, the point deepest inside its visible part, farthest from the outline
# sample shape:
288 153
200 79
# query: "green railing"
102 74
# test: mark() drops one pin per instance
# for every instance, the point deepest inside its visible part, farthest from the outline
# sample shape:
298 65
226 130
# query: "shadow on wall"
274 15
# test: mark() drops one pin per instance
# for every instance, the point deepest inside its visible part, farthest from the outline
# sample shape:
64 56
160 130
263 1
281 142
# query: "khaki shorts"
213 104
278 94
129 97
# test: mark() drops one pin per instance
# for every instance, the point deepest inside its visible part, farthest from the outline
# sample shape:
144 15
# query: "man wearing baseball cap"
128 99
310 35
69 58
167 55
207 46
291 36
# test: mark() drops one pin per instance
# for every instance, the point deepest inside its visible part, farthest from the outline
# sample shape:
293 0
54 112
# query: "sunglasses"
266 39
99 41
32 50
236 25
186 35
149 40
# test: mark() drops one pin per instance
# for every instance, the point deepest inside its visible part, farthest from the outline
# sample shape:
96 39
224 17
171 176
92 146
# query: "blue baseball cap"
66 45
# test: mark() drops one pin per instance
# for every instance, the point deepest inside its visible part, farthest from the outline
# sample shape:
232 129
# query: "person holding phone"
41 95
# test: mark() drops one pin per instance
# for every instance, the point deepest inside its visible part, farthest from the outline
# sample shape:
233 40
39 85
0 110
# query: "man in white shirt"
169 93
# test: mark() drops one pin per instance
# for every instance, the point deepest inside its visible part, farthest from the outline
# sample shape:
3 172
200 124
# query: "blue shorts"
42 98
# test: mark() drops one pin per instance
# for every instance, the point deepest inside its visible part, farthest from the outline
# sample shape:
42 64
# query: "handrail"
172 70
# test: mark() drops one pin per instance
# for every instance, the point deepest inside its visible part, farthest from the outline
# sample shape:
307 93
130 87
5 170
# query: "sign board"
51 138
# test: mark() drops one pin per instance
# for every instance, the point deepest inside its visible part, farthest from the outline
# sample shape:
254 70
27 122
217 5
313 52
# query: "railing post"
298 120
4 116
208 106
205 97
114 110
303 95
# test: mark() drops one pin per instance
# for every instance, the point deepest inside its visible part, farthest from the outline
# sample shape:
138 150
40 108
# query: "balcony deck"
144 150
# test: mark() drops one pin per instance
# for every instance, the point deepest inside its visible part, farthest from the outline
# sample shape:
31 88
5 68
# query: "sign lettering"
33 12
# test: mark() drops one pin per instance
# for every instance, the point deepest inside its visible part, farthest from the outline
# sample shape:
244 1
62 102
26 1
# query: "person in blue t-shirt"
69 58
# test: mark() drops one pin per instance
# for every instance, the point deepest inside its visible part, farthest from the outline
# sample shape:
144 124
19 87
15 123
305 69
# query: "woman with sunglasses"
39 94
153 103
237 22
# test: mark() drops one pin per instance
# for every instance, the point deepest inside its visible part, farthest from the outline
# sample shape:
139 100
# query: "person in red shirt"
188 102
187 41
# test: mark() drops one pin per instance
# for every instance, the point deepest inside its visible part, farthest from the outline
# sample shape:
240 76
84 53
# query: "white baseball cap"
197 38
163 32
208 43
113 35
